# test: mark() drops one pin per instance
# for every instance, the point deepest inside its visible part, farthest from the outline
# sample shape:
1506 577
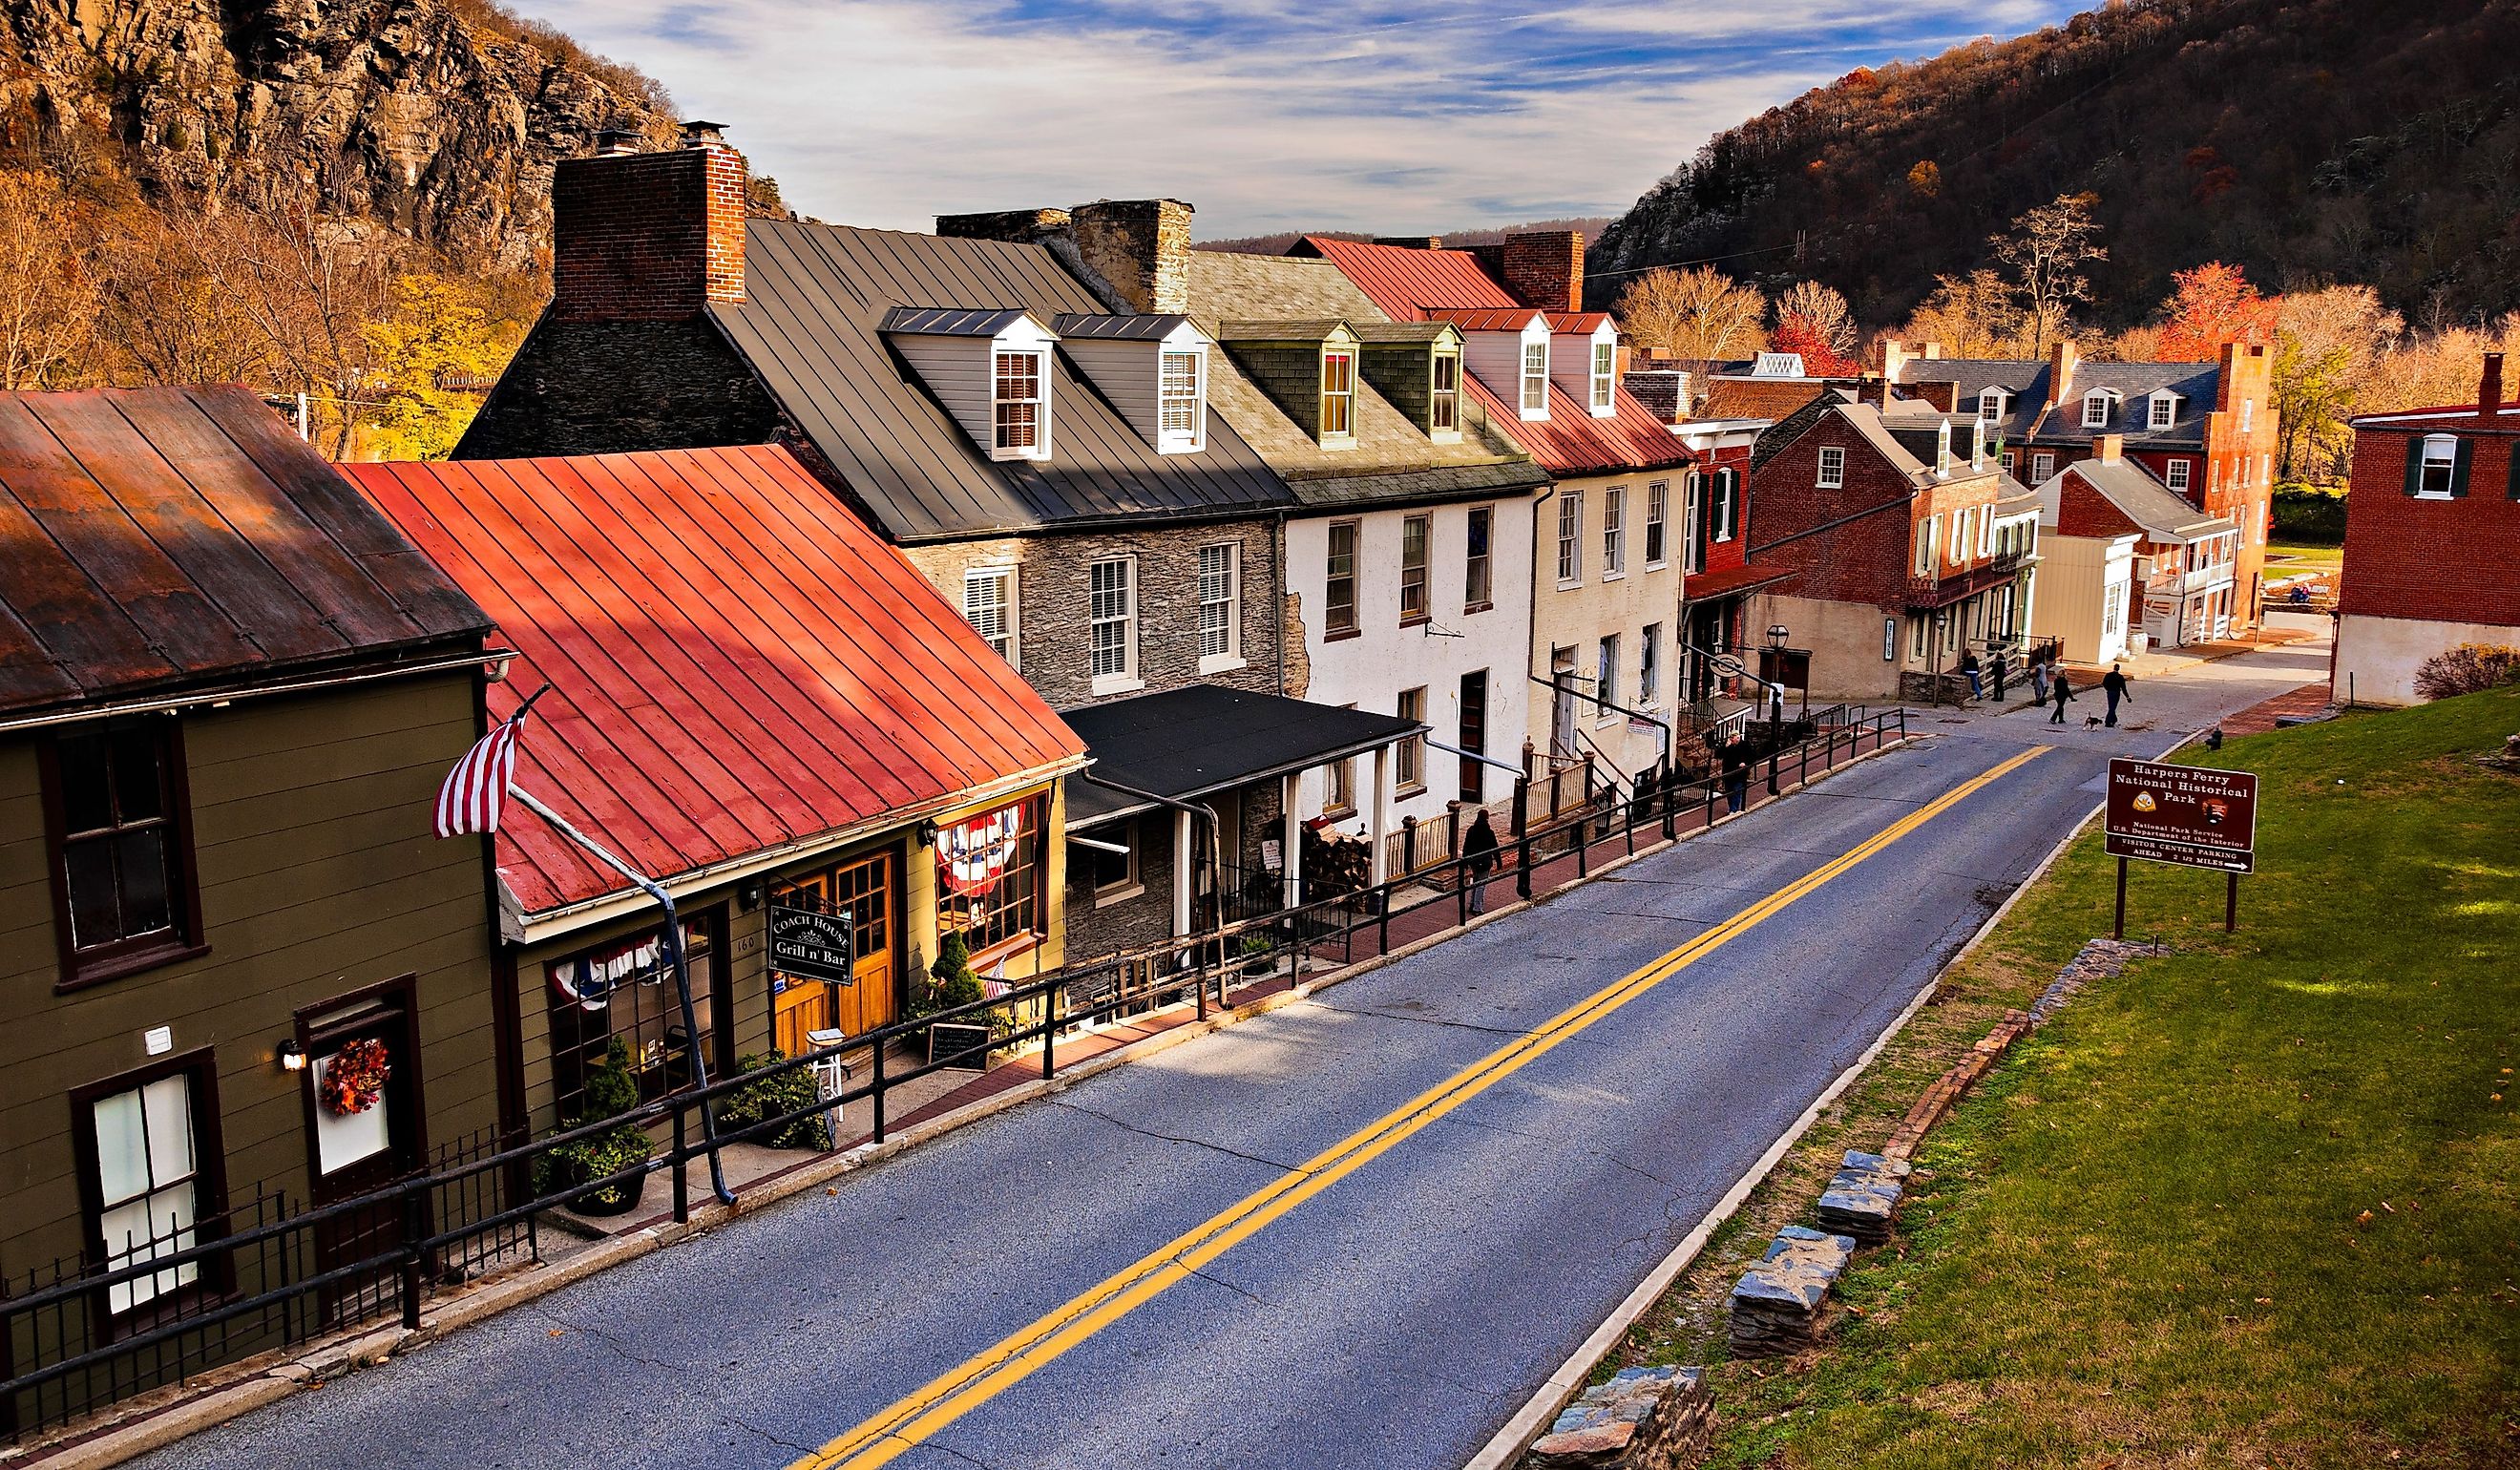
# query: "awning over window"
1188 742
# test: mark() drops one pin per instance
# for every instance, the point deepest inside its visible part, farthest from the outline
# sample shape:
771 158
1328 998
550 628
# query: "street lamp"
1777 636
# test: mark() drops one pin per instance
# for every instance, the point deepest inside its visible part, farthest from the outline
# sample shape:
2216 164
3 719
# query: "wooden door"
869 889
353 1149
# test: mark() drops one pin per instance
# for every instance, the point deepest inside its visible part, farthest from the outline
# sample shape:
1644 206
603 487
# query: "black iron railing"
265 1276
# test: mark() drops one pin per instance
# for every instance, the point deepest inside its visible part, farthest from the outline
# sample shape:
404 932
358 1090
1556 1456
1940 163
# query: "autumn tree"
47 291
1813 320
1700 314
2045 251
2328 345
1970 316
433 355
2211 307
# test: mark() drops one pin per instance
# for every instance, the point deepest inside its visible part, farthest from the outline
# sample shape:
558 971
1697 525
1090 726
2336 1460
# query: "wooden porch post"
1292 834
1184 857
1378 821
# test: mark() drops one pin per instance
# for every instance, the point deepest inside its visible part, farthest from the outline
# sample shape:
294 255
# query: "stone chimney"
2488 385
648 237
2061 361
1543 268
2108 449
1021 226
1140 248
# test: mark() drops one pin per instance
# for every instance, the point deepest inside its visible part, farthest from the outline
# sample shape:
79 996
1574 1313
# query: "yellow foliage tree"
47 292
433 353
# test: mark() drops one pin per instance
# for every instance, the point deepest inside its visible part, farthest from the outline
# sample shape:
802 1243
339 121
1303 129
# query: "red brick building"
1904 540
2206 430
2432 541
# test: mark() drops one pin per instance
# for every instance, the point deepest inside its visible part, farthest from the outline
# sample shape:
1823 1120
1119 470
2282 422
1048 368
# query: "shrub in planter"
610 1091
1255 954
775 1096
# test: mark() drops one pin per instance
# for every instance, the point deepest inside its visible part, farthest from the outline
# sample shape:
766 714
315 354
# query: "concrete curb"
260 1382
1560 1386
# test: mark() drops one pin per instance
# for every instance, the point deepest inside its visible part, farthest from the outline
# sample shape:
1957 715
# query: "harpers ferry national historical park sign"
2187 815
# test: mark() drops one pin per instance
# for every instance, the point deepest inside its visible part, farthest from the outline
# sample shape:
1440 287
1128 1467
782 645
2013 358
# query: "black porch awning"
1186 742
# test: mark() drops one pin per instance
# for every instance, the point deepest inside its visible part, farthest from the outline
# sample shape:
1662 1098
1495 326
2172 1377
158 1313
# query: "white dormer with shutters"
1510 356
2160 411
1153 369
991 369
1585 363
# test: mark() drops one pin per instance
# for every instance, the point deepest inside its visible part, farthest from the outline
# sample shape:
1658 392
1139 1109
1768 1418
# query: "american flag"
476 789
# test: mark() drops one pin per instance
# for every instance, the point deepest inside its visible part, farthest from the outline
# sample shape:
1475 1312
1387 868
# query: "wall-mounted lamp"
927 832
292 1056
1777 635
749 894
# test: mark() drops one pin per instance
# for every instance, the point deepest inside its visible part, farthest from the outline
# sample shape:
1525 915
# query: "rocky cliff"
439 119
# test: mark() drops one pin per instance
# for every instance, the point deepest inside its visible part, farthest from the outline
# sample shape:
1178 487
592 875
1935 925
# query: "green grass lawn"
2282 557
2255 1203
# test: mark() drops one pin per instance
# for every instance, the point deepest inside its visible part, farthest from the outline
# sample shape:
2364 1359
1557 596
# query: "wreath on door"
355 1080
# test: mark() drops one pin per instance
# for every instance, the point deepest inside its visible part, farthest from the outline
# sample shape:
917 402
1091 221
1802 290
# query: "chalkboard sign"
811 944
958 1047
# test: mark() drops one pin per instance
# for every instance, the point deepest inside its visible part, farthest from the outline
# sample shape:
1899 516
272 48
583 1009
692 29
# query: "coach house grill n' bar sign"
2184 814
808 942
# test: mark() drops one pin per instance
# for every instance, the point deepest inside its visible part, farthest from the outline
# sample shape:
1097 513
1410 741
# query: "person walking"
1737 775
2038 680
1996 673
1479 856
1976 680
2064 692
2114 685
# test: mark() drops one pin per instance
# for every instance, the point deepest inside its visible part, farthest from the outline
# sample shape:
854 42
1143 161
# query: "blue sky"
1266 114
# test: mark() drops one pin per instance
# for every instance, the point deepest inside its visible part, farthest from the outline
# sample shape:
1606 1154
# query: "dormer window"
1943 448
1989 405
2163 411
2095 410
1021 404
1444 395
1977 445
1535 379
1338 395
1605 361
1181 400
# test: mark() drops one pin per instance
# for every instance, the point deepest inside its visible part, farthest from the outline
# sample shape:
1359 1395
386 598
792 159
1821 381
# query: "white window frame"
2162 413
1724 507
146 1211
1170 394
2175 473
1943 448
1444 402
1605 367
2043 467
2247 406
1332 614
1535 379
2095 409
1132 881
1989 405
1008 640
1571 538
1124 678
1832 467
1000 446
1423 525
1343 397
1408 754
2447 463
1614 533
1478 567
1219 659
1606 683
1977 445
1928 544
1657 524
1648 665
1693 517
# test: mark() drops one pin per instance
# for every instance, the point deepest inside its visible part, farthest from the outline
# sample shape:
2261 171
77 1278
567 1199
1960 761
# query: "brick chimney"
2488 385
2061 361
2108 449
1544 268
649 237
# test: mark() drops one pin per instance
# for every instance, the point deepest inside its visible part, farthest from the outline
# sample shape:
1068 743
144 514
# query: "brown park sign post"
2187 815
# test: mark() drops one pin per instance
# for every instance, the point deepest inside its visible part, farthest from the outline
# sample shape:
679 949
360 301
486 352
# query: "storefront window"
989 875
626 989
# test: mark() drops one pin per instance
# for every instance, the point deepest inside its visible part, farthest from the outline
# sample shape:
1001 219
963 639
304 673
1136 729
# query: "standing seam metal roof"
736 661
811 327
164 537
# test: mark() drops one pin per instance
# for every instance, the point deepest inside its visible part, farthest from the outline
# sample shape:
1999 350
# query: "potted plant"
1255 954
951 985
775 1096
610 1091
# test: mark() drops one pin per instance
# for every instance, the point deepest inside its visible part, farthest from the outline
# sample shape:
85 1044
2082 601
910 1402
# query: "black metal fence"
267 1275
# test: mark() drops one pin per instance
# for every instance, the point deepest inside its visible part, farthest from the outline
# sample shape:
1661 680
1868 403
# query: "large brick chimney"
2488 385
648 237
2061 361
1543 268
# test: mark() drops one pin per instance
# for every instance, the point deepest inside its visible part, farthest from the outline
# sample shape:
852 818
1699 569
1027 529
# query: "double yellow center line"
948 1398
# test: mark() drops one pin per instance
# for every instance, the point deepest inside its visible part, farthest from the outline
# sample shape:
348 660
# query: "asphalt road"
1392 1319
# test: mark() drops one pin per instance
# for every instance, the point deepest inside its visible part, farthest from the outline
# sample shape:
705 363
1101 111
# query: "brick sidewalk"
2301 703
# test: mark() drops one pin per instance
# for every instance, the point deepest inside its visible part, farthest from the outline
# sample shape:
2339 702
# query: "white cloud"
1265 114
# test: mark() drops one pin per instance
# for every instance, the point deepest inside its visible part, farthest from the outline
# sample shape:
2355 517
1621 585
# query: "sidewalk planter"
610 1091
775 1096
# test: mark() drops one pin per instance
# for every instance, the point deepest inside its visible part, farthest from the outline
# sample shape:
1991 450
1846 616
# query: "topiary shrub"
774 1097
2467 669
611 1089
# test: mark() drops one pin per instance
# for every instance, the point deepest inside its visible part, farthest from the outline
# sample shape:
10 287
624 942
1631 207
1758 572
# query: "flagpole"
674 948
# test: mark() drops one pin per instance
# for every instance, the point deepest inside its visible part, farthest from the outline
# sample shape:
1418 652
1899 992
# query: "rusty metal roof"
168 539
737 662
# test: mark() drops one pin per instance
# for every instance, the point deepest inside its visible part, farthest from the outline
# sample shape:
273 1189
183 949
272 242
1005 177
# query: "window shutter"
2459 466
2415 463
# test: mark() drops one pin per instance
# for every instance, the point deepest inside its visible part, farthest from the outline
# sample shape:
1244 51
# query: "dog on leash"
2091 721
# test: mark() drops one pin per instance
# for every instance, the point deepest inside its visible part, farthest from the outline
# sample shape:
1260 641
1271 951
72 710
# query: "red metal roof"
737 662
1412 285
1484 318
168 538
1585 323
